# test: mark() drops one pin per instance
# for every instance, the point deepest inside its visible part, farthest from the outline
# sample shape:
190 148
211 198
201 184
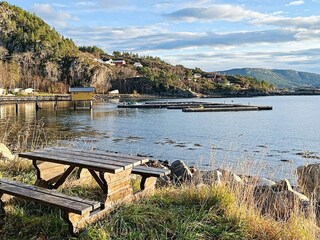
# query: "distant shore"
102 97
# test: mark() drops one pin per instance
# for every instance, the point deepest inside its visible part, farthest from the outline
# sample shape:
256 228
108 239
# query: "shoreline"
147 96
101 97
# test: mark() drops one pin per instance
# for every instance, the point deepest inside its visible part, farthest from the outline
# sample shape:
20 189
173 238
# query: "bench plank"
150 171
48 197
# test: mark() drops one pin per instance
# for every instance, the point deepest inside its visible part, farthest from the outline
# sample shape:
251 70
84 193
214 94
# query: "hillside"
281 78
33 54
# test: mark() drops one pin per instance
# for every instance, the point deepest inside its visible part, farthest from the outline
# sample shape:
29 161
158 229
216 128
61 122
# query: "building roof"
81 89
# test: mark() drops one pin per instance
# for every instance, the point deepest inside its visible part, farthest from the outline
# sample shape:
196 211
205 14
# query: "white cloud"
85 4
214 12
236 13
56 18
156 38
295 3
311 22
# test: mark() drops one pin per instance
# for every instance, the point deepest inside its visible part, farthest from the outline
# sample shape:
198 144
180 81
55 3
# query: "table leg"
100 180
63 177
51 175
47 173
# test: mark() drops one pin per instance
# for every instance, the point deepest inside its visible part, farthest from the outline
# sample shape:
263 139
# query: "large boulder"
309 180
280 200
180 171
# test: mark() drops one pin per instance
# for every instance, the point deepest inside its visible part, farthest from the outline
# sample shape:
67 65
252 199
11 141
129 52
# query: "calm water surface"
266 142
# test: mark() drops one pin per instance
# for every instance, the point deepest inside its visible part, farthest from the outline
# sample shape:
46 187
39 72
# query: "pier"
36 99
193 106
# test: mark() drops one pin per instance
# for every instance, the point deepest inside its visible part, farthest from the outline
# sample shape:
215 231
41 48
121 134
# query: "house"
137 64
3 91
119 62
197 75
109 62
81 93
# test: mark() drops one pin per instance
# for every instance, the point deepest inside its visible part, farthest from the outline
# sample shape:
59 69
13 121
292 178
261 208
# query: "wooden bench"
76 211
149 176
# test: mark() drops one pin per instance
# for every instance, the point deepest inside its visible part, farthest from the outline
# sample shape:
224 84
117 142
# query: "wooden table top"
95 160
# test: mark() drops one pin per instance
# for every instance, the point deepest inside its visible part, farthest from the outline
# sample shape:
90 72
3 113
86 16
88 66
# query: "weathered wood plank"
63 202
73 162
107 154
94 204
87 157
153 172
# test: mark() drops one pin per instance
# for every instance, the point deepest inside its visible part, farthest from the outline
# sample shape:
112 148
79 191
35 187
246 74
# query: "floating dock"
193 106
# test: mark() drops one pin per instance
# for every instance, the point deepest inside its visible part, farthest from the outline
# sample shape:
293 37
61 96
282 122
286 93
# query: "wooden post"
37 104
74 105
91 104
55 103
17 106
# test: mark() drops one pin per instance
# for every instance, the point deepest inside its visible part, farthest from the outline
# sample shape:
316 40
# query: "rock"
155 164
309 180
180 171
5 152
230 177
248 179
283 185
261 185
280 200
212 177
265 182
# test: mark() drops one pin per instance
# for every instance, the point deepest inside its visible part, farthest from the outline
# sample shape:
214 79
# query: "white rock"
5 152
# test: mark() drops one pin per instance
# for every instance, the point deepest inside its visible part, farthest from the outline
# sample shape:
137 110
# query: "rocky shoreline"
276 199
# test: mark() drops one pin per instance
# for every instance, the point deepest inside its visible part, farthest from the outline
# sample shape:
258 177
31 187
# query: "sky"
214 35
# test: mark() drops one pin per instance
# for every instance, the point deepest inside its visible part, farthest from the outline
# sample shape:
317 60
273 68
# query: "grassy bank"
187 212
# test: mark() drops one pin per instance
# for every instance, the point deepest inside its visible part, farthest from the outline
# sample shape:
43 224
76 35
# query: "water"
266 142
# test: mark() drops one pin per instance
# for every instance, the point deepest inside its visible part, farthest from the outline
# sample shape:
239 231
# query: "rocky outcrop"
309 180
280 200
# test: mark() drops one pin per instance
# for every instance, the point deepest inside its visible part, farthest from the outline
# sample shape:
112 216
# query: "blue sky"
212 35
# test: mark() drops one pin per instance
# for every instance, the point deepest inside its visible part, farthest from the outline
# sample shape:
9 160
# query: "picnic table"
111 171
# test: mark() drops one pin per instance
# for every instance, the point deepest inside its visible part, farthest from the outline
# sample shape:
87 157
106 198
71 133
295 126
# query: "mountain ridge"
282 78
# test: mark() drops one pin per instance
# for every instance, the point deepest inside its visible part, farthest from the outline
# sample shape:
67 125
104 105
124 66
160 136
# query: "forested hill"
33 54
281 78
